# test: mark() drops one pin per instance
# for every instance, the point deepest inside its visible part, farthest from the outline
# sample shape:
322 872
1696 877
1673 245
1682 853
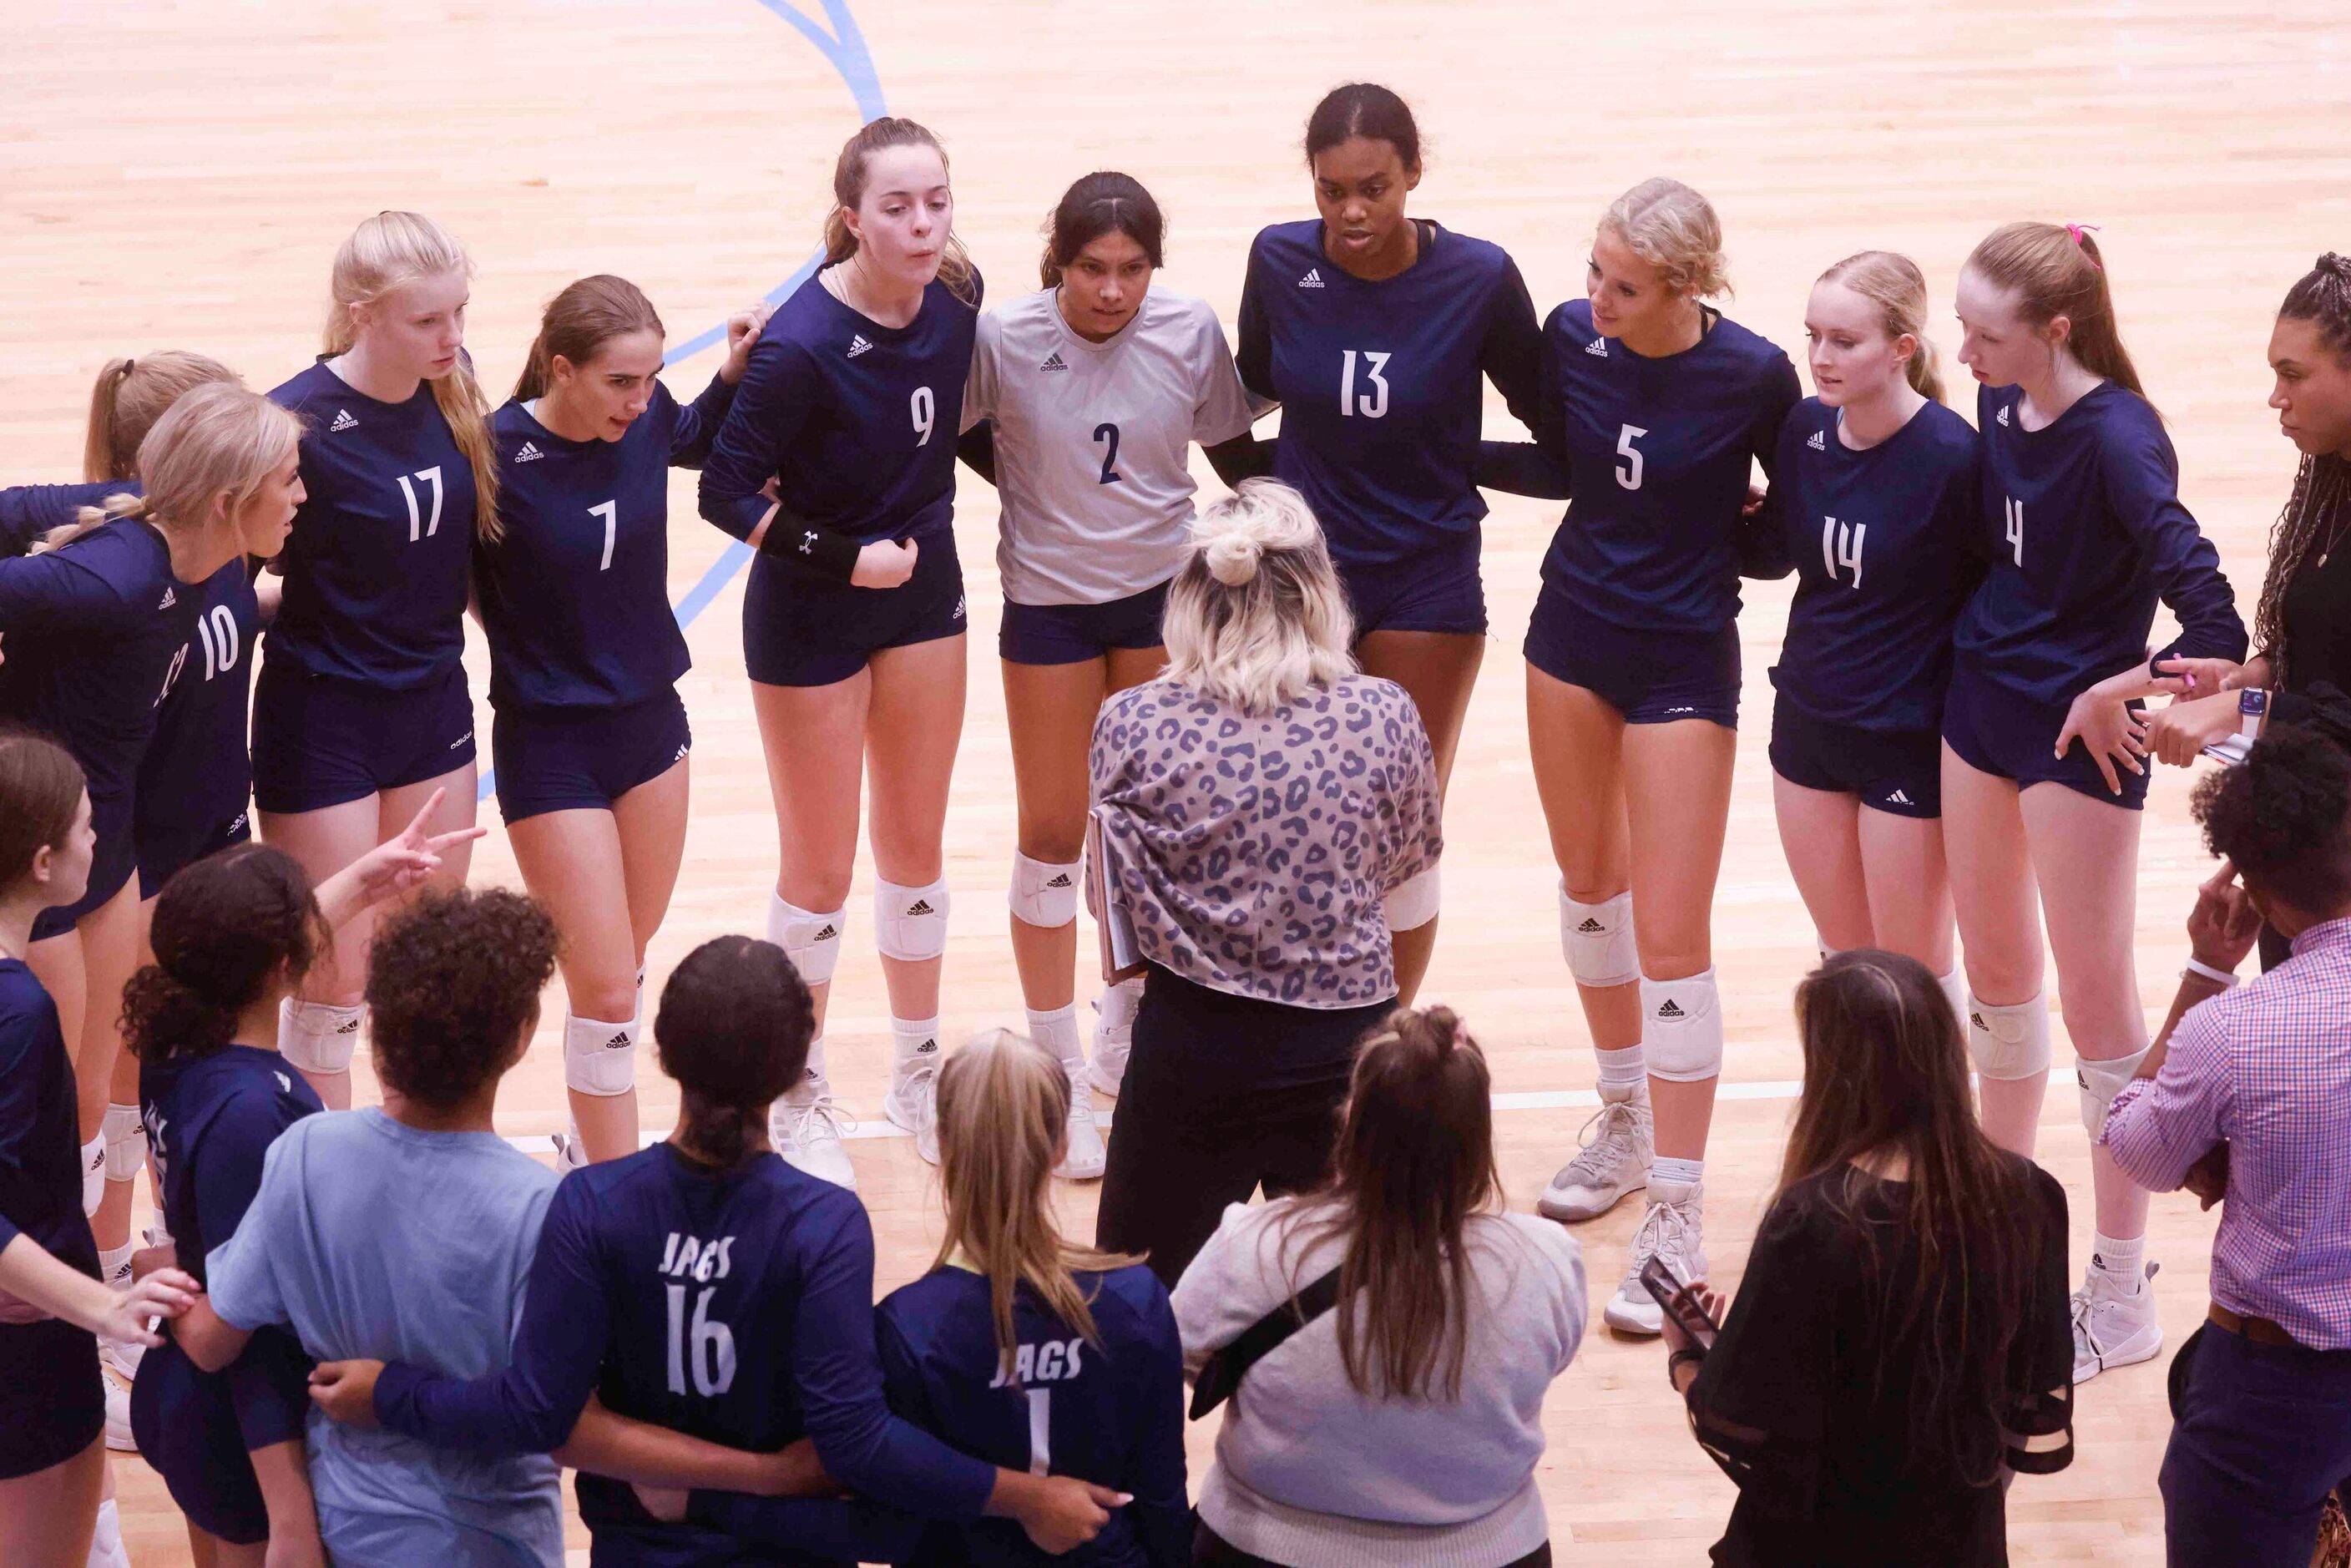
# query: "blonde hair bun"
1232 558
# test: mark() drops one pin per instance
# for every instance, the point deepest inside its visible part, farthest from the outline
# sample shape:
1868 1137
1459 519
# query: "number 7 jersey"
377 562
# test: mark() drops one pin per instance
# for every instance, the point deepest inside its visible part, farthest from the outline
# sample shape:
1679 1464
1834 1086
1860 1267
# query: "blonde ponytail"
388 250
1003 1112
1893 283
130 396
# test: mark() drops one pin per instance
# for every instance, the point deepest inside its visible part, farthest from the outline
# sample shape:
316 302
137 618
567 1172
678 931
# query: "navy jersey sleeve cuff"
395 1400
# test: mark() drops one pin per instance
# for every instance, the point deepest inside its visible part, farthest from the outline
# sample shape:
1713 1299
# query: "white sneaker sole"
2145 1346
118 1412
1643 1318
1573 1208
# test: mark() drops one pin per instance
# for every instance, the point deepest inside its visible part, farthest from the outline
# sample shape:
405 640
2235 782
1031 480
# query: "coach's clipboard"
1122 956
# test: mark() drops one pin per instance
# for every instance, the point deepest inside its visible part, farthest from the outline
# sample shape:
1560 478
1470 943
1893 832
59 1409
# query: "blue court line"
844 47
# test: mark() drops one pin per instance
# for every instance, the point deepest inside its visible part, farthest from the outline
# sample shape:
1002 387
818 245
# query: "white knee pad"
2010 1042
126 1142
811 941
911 922
599 1058
1598 940
2101 1082
1044 892
319 1037
1681 1028
93 1173
1412 904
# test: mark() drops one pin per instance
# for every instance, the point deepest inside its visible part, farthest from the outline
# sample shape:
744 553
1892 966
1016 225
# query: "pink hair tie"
2076 230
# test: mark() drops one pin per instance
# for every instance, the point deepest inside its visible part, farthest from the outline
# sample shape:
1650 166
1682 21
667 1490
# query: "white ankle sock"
1621 1069
114 1265
914 1044
1057 1031
2120 1262
1676 1173
812 1079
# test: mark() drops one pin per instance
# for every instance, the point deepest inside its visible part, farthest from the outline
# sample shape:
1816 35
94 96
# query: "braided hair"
2322 484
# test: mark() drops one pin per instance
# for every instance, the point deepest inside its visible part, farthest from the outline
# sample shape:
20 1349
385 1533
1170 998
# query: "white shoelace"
1606 1136
1665 1232
800 1121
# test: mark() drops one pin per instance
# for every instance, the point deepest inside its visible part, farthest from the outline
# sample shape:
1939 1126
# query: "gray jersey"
1094 442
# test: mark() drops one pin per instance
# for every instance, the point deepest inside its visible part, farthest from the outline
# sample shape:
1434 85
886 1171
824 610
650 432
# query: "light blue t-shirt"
370 1238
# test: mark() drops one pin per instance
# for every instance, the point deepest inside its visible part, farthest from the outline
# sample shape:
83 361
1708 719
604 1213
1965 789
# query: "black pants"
1222 1094
1210 1550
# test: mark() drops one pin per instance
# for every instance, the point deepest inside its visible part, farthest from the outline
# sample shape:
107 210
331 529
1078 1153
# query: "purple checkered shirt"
2267 1067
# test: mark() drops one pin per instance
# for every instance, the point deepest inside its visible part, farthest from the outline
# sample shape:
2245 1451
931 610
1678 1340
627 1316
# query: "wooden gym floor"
178 175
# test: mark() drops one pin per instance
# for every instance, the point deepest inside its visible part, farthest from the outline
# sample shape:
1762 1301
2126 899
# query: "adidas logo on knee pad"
1061 880
828 933
920 906
1589 927
1669 1011
619 1042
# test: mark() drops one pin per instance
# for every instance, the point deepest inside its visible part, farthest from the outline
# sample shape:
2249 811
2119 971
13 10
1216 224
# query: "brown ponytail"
2055 269
393 249
848 190
579 321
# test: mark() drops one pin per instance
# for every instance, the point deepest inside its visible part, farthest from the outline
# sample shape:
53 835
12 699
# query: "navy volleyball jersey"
1884 546
1111 1413
575 595
1662 451
40 1143
210 1120
198 771
855 422
734 1306
2085 531
28 511
87 635
1379 382
376 565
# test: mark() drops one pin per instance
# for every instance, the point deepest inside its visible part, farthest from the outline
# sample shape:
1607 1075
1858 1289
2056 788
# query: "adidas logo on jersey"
170 599
1313 278
2002 416
1819 442
461 740
529 454
1053 361
858 345
958 609
920 906
285 1085
1597 348
1670 1011
343 421
1899 798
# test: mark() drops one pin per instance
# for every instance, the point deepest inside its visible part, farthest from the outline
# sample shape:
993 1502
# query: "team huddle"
1970 624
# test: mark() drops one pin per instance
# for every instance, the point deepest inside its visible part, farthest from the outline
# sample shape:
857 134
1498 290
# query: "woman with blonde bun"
1270 815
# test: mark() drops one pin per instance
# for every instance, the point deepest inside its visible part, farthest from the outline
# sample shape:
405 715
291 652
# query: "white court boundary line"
1538 1100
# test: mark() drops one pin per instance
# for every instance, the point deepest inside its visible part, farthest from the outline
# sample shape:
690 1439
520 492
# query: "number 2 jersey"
2083 522
1380 383
1661 450
733 1305
1884 544
376 563
1111 1413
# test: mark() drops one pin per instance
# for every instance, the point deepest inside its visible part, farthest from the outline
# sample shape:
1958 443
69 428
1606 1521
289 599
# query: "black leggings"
1222 1094
1210 1550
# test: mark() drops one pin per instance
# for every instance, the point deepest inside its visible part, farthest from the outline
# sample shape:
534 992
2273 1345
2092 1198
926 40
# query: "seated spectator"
705 1285
2262 1428
1025 1350
1401 1427
1901 1340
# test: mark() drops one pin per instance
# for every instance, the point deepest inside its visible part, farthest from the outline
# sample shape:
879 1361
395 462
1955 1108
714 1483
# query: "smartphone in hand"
1680 1303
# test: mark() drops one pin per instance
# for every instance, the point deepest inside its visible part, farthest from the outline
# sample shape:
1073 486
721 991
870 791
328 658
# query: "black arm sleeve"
796 538
1242 458
976 448
1758 1405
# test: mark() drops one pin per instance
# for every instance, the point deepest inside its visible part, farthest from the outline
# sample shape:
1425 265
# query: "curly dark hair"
225 929
733 1028
2284 817
453 982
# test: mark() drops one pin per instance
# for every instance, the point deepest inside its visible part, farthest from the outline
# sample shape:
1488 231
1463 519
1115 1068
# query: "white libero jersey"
1094 442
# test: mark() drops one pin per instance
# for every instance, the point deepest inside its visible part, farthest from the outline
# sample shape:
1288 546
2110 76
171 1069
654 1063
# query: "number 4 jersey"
376 565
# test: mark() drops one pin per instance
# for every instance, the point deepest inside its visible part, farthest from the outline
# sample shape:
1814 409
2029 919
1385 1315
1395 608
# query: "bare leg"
913 727
1820 838
1678 800
46 1518
1438 670
1575 740
1050 711
815 740
1909 886
1999 925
